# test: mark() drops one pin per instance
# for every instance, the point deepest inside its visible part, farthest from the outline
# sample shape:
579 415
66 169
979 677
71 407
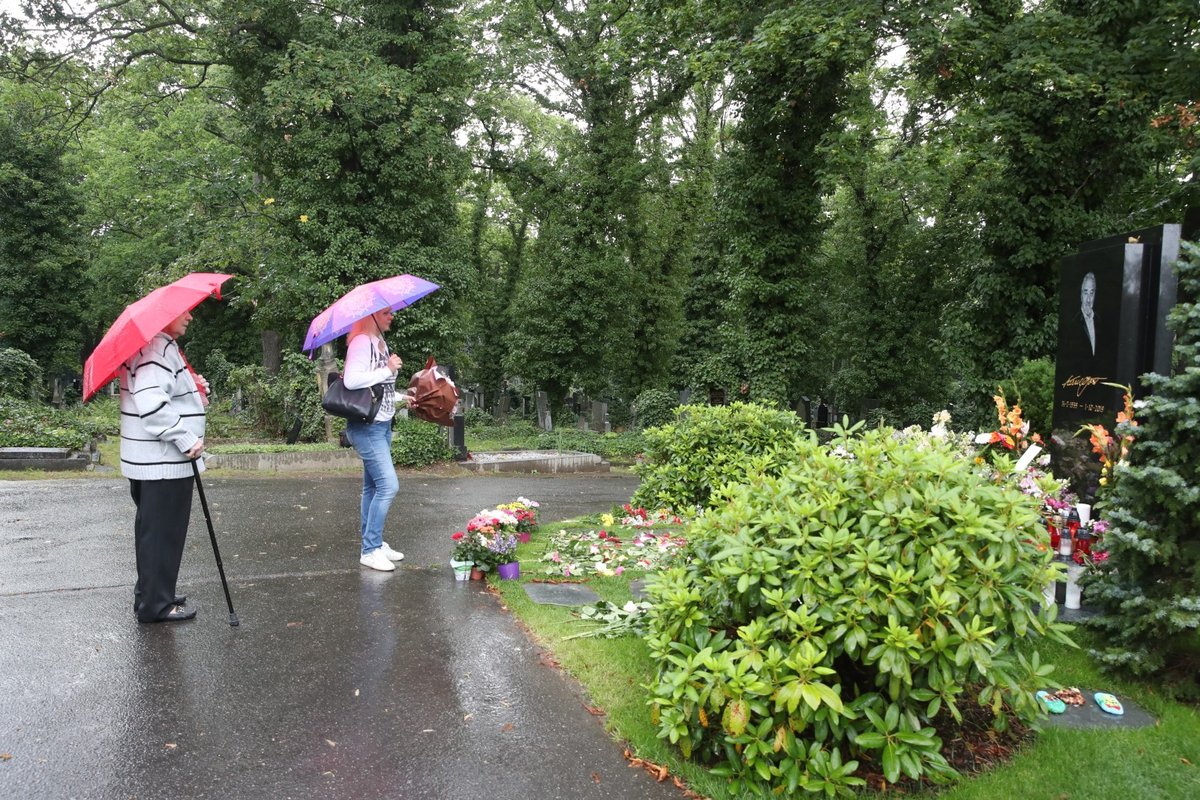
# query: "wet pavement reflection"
340 682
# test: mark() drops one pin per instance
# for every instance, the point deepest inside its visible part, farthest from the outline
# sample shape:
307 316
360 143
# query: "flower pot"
462 569
510 571
476 574
522 537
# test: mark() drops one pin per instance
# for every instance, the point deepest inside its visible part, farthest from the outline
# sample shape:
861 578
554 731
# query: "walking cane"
233 618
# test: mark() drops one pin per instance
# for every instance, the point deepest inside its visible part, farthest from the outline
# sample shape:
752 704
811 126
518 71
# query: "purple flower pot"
510 571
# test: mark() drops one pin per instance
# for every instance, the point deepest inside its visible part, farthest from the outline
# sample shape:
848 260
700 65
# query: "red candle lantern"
1083 542
1053 533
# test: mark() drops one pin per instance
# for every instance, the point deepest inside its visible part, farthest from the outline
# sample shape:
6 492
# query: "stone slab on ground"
1090 716
542 461
297 461
561 594
47 458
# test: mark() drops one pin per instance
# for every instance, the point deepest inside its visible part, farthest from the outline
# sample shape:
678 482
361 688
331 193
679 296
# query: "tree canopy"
863 203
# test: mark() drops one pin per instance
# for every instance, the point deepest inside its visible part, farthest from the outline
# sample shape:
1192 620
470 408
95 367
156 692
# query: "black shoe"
177 614
180 600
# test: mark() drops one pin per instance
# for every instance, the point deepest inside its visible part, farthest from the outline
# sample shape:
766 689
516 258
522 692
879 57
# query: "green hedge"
419 444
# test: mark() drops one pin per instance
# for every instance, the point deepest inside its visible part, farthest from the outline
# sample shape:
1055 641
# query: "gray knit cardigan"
162 415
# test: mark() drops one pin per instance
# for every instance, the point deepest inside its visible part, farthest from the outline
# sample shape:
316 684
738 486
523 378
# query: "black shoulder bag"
359 405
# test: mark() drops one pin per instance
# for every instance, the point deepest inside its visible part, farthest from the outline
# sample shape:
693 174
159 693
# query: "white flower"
630 608
1139 403
983 438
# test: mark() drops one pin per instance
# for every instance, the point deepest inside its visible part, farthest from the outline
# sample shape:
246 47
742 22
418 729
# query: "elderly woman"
162 433
368 363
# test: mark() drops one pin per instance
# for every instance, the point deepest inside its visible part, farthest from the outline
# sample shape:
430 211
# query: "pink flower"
619 570
458 535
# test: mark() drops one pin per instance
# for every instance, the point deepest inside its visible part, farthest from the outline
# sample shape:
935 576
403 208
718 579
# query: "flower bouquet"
501 553
466 550
525 511
492 521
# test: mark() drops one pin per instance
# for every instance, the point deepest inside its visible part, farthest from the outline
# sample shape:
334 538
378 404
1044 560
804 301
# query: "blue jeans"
373 443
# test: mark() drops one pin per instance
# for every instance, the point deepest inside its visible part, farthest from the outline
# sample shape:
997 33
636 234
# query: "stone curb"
284 462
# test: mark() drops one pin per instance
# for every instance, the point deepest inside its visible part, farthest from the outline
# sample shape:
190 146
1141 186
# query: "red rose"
457 536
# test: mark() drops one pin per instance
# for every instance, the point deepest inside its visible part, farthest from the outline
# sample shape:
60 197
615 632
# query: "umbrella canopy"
362 301
140 321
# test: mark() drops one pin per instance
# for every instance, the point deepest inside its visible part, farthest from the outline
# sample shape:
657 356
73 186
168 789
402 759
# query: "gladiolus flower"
304 217
268 201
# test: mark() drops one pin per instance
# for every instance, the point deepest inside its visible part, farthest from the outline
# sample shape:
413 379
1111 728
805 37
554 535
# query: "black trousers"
160 527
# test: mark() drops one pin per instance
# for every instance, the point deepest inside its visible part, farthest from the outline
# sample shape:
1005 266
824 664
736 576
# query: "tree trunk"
272 352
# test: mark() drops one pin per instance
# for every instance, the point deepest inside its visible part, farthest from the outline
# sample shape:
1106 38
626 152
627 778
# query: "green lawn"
1157 763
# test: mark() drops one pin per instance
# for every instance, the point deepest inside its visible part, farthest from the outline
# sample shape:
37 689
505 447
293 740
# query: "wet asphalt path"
341 682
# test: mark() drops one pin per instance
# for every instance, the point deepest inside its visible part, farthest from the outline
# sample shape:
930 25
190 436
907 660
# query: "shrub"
1032 387
845 608
29 424
216 370
20 375
616 446
1148 591
706 447
655 407
478 418
275 402
419 444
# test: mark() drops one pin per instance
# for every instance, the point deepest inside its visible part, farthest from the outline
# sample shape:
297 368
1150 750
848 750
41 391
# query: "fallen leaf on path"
295 624
595 712
1185 761
659 772
506 727
331 742
595 777
5 756
170 745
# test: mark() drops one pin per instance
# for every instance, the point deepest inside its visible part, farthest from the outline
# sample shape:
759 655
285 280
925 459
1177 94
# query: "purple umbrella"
361 301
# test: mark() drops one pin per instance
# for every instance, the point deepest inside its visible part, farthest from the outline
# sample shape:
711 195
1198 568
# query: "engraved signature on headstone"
1081 383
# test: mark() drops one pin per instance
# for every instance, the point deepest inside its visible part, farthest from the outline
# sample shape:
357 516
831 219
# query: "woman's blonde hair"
366 325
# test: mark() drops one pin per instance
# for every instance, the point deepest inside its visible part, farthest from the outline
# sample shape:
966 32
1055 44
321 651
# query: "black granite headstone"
1114 296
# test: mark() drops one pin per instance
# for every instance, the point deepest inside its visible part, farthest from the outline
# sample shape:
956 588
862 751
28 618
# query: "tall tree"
42 280
790 66
590 294
350 114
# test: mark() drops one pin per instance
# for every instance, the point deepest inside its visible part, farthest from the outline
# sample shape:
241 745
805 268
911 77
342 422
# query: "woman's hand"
196 450
394 363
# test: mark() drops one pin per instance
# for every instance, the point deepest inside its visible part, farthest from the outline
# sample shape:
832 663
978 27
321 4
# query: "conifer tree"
1148 591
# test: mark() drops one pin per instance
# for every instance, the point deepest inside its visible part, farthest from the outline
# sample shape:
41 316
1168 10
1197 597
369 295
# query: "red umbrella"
140 321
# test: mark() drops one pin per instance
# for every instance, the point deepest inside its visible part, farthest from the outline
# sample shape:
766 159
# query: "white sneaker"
377 560
390 554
